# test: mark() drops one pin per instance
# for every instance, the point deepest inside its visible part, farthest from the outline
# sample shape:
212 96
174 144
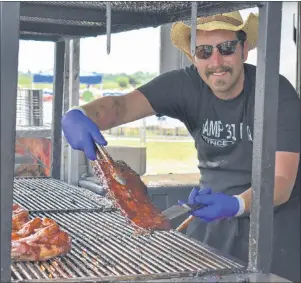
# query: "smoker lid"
55 21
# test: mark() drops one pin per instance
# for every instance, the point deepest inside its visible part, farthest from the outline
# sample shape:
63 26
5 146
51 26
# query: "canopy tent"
85 78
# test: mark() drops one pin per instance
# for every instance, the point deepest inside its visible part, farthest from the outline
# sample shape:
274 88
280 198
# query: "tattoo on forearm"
116 107
107 114
100 113
102 109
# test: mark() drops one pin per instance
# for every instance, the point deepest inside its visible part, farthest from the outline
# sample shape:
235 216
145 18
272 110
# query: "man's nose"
216 57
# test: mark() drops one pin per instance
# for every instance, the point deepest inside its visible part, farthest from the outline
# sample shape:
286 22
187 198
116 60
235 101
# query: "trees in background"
110 81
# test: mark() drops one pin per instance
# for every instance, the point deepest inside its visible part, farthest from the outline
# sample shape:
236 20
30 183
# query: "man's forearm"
112 111
105 112
282 191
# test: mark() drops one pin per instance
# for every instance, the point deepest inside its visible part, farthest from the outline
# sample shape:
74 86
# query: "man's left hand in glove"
217 205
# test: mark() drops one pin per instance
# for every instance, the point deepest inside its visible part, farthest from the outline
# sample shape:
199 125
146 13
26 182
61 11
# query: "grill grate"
103 246
33 131
49 194
29 107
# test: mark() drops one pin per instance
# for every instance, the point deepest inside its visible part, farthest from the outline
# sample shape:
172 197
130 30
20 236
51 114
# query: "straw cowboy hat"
180 33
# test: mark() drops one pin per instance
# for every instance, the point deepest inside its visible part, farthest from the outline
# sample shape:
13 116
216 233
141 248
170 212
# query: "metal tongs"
106 156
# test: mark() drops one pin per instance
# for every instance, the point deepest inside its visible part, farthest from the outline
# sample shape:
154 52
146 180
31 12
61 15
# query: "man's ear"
193 61
245 51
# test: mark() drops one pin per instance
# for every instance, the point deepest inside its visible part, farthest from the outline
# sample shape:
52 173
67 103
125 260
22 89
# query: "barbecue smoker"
103 249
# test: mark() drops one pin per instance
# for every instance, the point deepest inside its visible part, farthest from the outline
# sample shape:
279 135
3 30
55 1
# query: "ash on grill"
103 246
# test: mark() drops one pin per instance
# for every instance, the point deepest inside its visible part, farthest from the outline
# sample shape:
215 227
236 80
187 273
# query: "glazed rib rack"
103 247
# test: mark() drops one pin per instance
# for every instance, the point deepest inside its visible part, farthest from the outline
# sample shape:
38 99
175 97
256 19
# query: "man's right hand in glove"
82 133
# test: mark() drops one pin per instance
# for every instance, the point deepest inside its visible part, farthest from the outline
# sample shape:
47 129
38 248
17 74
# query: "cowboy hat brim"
180 33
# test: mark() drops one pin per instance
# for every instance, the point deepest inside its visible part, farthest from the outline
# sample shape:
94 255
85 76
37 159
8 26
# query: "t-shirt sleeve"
165 94
288 135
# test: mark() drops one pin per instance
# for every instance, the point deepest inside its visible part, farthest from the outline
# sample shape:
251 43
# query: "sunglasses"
225 48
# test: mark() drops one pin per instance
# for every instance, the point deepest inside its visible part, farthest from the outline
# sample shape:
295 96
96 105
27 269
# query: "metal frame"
56 21
79 14
9 47
298 45
57 110
65 104
74 85
264 132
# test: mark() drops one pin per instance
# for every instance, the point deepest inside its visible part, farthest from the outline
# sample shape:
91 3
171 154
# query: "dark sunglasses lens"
204 52
227 48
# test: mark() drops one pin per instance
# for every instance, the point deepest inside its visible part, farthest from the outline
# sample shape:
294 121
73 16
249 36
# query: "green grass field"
24 81
166 157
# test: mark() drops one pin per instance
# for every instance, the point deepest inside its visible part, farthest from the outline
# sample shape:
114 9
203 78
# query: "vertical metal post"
66 76
194 10
57 110
298 45
74 83
170 56
65 108
9 50
265 127
108 25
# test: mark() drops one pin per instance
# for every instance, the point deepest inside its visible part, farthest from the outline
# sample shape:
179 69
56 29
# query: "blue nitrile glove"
81 132
194 192
218 205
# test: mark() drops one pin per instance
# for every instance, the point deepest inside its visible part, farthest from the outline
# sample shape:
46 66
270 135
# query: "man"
214 98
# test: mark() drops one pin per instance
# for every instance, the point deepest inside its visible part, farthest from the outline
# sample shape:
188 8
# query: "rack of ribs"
131 199
37 239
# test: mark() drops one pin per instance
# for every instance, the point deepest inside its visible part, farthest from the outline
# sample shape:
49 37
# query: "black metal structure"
9 49
57 109
264 146
55 21
298 45
59 21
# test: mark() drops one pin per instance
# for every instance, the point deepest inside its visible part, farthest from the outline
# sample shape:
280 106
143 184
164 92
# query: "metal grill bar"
53 194
178 237
32 131
29 107
104 247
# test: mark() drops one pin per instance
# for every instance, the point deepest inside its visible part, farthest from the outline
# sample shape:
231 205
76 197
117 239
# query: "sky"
132 51
139 51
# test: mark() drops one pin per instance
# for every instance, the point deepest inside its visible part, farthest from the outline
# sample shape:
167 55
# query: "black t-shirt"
223 129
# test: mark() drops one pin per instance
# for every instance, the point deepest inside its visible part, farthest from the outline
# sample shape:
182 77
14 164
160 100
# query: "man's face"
222 73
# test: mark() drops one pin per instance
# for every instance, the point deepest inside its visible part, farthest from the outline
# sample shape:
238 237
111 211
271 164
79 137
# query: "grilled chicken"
20 217
44 244
132 199
37 239
31 227
27 229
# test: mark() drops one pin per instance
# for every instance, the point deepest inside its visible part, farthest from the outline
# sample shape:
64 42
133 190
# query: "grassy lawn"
25 82
164 157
